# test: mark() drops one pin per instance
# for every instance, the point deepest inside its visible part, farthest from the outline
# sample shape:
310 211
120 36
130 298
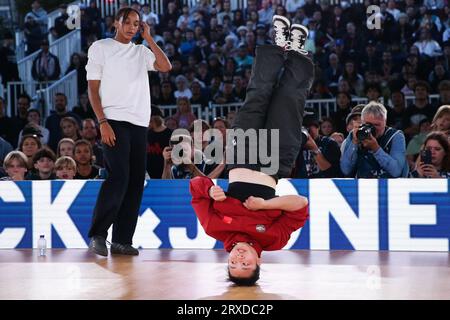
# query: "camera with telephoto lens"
364 131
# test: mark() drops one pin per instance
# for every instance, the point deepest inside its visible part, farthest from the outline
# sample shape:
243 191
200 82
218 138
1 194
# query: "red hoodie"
230 222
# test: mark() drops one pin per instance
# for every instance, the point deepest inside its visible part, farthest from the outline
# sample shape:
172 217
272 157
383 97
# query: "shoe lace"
296 42
280 33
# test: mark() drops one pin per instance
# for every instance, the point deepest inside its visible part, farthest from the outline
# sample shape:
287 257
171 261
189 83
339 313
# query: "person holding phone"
119 92
434 159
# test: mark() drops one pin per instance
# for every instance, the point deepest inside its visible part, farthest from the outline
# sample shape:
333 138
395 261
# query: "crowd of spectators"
211 48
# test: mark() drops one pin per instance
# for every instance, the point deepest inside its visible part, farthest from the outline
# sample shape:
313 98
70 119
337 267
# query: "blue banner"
345 214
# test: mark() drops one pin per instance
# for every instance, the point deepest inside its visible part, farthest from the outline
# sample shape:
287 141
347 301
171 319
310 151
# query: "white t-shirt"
124 87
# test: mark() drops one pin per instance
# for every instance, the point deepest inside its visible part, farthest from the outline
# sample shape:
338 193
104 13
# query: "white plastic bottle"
42 245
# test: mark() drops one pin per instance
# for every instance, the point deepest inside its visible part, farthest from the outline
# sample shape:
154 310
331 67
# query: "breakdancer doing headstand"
249 217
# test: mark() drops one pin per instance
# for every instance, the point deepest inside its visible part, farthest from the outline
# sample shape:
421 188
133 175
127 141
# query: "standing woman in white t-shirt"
119 92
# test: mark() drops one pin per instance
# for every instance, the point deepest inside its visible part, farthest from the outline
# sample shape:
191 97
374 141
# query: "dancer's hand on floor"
217 193
254 203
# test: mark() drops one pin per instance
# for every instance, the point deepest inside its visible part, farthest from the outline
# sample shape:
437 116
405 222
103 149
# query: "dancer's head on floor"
243 265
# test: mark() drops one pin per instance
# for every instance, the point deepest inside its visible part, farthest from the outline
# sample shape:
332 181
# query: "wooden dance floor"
200 274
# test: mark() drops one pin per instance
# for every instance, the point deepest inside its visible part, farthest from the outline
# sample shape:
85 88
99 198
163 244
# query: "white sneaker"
298 36
281 26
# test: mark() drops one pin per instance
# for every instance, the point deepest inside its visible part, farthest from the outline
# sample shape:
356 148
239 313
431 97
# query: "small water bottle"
42 245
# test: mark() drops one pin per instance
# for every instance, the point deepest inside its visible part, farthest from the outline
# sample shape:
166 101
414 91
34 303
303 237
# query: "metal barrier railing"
323 107
21 45
67 85
15 88
110 7
170 110
63 48
221 110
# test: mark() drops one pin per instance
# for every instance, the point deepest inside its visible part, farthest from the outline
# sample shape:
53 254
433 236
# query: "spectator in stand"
373 92
320 155
8 68
421 109
408 88
243 59
379 155
158 138
239 89
414 146
396 111
293 5
43 165
441 120
84 157
39 14
46 65
167 97
184 115
171 123
61 21
65 168
90 133
326 126
109 30
354 79
18 122
437 143
333 72
226 95
52 123
34 120
66 147
182 88
84 108
149 16
344 107
29 145
183 170
78 63
15 165
33 34
70 128
185 19
266 12
426 45
438 75
199 96
444 93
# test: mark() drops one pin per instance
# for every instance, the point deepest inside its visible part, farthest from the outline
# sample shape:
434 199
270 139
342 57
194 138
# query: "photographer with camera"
374 150
434 159
184 168
319 156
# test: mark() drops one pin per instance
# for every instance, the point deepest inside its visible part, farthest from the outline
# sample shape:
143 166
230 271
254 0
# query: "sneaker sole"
299 26
286 20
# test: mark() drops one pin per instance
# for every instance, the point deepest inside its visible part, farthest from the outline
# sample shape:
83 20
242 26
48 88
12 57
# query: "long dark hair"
125 12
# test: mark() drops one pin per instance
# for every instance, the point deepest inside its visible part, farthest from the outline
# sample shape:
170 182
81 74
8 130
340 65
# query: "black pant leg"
125 224
266 68
113 189
287 107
